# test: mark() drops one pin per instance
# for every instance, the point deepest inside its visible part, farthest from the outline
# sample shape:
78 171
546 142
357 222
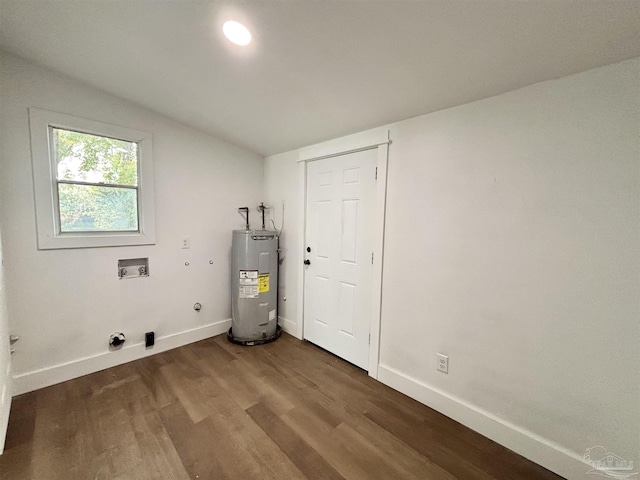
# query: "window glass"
89 208
91 158
87 167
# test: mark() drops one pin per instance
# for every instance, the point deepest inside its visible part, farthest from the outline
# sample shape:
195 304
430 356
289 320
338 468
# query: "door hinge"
376 173
371 258
369 339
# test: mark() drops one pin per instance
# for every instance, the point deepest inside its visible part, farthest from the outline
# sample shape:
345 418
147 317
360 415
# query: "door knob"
307 262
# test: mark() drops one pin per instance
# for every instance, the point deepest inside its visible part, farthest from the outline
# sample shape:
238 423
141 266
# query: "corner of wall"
540 450
52 375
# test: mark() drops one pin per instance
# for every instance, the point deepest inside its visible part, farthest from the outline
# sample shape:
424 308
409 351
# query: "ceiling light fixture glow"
237 33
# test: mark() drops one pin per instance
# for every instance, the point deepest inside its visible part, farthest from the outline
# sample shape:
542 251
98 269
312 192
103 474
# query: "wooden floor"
214 410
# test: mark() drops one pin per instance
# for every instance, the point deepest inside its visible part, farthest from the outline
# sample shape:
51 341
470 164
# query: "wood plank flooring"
214 410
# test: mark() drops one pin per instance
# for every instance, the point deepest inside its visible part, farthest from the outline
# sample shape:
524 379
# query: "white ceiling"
315 69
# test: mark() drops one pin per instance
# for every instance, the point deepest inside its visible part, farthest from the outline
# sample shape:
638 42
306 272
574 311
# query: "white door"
341 197
5 360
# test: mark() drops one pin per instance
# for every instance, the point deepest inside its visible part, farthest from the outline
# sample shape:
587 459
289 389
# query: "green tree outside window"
97 180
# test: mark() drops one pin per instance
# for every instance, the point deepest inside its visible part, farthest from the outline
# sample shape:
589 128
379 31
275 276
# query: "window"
93 182
96 182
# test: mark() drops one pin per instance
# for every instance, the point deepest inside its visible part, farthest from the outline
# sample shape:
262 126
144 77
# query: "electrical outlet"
443 363
186 242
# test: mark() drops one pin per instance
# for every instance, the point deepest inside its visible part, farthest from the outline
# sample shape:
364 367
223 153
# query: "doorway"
339 253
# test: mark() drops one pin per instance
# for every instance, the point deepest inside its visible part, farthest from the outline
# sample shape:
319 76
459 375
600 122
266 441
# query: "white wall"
65 303
282 188
511 245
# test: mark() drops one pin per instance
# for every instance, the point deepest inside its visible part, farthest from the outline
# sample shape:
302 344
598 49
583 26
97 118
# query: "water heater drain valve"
116 340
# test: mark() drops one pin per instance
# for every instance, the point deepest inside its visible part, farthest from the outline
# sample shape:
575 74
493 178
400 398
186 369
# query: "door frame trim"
378 139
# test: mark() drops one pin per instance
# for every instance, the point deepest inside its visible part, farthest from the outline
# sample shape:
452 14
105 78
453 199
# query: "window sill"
93 240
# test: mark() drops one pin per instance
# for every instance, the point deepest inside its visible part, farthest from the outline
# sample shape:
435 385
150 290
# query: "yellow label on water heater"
263 282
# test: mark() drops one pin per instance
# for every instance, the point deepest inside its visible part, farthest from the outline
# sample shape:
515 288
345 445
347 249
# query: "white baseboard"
288 326
45 377
544 452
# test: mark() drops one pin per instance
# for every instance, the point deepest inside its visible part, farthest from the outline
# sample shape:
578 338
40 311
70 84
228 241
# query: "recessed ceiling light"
237 33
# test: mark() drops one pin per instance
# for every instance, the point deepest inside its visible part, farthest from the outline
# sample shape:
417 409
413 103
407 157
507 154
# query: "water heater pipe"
261 208
246 212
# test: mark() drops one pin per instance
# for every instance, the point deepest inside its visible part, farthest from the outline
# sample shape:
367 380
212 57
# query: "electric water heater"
254 287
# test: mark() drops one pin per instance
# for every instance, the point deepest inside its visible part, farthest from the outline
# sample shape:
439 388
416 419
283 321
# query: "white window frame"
45 183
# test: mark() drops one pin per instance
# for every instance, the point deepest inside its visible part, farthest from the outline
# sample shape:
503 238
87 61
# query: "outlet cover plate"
443 363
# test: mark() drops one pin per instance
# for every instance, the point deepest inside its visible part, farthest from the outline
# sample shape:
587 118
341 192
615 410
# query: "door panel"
5 360
340 214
